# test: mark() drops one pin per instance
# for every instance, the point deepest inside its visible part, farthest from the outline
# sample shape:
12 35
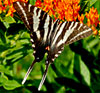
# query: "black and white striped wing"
80 31
39 23
66 33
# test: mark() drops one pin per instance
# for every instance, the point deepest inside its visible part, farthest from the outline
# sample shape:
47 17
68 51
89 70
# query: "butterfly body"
48 35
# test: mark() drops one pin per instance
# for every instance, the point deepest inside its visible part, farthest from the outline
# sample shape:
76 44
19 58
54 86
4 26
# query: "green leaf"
5 70
85 72
82 69
3 79
6 24
97 5
9 19
92 2
14 55
11 85
2 37
32 2
84 6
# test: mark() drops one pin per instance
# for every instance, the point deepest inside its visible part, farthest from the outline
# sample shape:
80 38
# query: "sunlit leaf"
3 78
11 84
92 2
7 25
82 69
5 70
9 19
32 2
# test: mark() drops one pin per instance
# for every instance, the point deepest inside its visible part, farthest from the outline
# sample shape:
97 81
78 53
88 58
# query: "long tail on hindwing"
28 72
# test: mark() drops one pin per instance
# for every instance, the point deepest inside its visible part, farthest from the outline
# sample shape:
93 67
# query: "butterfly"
48 36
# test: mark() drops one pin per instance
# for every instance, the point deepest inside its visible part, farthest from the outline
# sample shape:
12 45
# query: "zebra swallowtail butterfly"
48 36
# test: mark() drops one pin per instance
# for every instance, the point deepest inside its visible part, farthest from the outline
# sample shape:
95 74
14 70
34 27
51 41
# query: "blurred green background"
76 70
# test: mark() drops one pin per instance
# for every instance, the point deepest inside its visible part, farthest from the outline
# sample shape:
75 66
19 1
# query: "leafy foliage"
76 70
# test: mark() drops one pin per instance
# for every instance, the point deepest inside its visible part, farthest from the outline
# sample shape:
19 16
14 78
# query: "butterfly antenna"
28 72
44 77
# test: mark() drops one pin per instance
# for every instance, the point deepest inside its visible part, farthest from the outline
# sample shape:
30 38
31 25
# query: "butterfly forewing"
35 19
80 31
38 22
66 33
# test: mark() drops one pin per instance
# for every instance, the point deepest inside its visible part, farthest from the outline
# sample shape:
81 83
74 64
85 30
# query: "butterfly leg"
44 76
28 72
